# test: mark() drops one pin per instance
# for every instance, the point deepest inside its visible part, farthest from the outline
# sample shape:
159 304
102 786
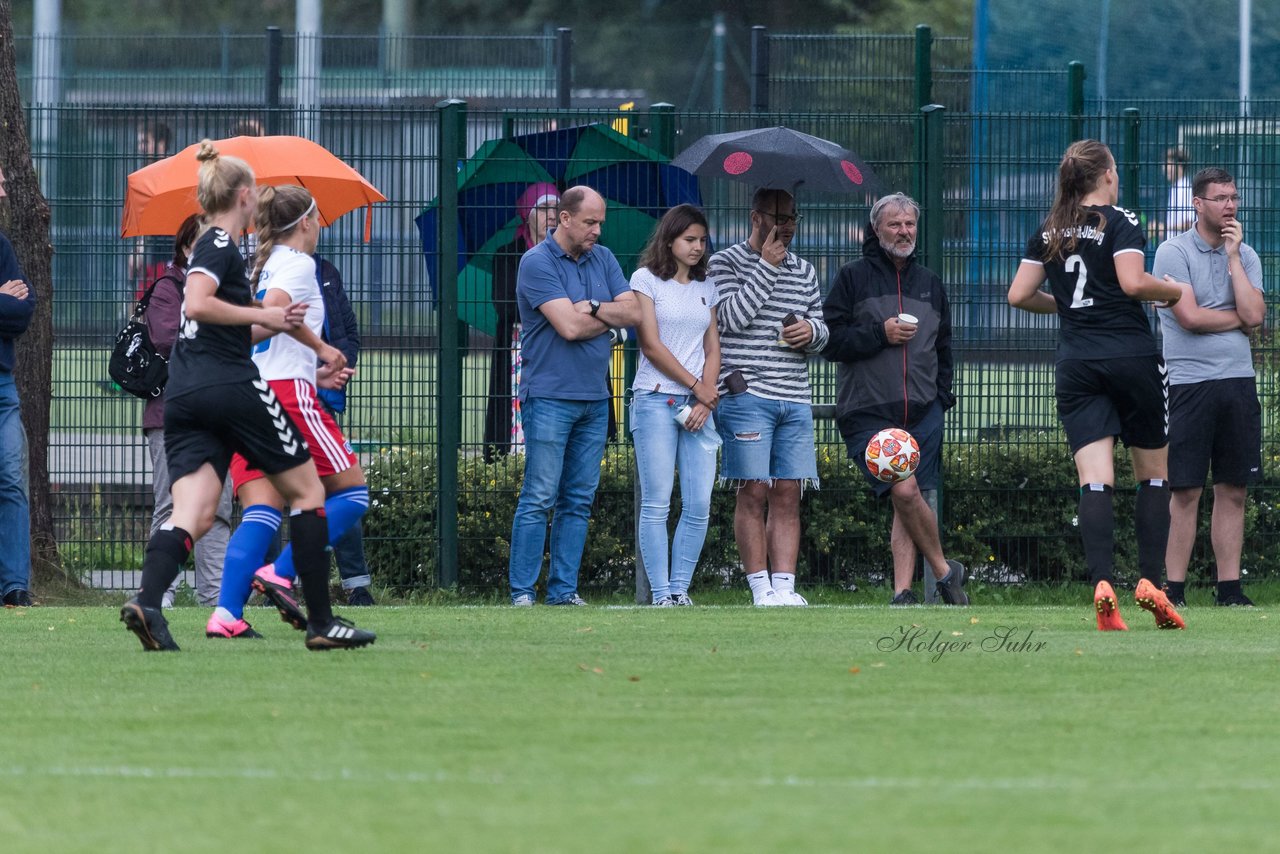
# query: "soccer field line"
440 777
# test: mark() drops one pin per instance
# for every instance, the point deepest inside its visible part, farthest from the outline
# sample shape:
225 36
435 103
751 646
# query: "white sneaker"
524 600
769 599
792 598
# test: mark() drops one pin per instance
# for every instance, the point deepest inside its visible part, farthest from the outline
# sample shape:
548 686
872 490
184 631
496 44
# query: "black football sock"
1177 590
166 551
1151 519
1229 588
1097 520
309 536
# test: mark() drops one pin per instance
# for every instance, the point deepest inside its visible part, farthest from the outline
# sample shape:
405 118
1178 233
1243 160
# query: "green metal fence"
421 392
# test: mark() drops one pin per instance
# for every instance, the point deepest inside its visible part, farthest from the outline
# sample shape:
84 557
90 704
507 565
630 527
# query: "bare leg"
749 526
782 529
1184 508
1228 529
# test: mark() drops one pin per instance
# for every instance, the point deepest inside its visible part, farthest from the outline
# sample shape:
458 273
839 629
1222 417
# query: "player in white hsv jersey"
288 229
1111 380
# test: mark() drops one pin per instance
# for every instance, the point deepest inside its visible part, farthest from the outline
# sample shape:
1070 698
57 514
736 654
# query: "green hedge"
1008 513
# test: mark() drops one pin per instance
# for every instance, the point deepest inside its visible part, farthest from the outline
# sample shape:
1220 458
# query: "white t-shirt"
1182 212
684 314
280 357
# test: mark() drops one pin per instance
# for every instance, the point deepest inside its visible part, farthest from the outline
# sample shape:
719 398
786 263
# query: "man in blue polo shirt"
571 292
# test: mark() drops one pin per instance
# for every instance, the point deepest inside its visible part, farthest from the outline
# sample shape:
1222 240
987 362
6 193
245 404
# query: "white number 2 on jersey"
1075 264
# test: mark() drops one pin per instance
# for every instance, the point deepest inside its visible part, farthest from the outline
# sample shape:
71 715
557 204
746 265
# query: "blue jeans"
15 513
661 445
564 441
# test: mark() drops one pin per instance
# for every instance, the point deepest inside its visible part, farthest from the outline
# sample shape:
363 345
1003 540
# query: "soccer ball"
892 455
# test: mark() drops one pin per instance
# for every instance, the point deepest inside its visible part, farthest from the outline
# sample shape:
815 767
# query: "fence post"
275 45
759 69
1075 99
931 118
452 148
1132 159
924 97
564 68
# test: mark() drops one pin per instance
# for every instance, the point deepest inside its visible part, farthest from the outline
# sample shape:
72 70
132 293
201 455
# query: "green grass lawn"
624 729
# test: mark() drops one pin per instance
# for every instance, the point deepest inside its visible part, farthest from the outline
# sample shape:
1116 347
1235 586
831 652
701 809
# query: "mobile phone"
790 320
735 382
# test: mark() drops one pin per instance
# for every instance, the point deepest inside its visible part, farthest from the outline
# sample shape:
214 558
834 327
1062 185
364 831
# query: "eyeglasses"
782 219
1222 200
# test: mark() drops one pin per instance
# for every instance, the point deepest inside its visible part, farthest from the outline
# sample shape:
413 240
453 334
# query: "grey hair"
895 200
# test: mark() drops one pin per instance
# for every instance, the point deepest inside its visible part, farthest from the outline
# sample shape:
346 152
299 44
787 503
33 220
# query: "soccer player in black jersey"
216 404
1111 380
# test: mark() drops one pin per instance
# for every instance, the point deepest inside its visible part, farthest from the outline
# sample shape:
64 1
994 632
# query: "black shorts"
243 417
928 435
1218 422
1103 398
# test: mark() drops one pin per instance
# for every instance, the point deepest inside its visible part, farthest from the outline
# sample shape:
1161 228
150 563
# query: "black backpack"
136 366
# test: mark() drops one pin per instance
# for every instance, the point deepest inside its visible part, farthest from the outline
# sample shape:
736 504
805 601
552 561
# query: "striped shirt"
754 297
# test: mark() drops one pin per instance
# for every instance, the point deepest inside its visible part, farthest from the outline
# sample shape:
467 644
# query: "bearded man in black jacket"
890 327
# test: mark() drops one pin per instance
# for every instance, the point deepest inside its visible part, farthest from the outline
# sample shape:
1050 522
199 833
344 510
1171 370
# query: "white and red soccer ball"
892 455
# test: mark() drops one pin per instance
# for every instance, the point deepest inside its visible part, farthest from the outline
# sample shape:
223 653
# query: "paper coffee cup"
908 318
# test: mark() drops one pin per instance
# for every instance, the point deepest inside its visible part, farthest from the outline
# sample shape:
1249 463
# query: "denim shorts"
766 440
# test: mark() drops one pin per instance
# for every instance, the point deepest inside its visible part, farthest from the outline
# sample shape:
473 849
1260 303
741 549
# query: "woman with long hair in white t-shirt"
676 379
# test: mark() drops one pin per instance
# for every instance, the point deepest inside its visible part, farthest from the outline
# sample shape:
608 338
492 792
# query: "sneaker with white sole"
769 599
220 628
574 601
340 633
681 600
524 600
791 598
664 602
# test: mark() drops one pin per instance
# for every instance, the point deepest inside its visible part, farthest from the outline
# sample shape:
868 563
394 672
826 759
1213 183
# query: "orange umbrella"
160 196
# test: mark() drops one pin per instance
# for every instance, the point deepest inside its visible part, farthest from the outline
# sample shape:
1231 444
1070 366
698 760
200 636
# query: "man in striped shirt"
769 312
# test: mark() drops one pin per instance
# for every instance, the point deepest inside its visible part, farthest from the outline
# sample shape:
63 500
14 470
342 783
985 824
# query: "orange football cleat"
1104 602
1155 600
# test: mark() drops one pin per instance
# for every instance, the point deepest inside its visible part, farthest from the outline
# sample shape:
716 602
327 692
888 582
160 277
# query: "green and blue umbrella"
637 182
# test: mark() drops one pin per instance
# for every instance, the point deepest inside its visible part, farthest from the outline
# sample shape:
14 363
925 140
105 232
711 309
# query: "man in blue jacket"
17 303
894 372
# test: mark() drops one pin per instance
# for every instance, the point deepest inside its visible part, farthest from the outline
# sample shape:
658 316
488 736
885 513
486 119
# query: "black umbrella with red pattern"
778 158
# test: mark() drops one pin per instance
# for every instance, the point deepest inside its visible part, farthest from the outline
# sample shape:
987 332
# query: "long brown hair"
658 257
280 210
1082 167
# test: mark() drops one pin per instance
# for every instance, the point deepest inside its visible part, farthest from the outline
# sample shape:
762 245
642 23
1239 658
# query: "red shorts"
330 450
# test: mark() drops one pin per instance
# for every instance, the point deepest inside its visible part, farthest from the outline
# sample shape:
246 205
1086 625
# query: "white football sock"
783 582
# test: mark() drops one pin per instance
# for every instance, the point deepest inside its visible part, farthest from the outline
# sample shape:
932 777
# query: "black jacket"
878 385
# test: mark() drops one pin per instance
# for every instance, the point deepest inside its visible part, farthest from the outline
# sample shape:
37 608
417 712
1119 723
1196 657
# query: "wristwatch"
595 307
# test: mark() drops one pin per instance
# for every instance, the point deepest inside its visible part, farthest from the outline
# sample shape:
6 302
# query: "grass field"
474 729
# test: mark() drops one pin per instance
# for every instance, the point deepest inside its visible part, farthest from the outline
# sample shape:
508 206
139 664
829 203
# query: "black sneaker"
951 586
17 599
359 597
574 601
339 634
149 625
1234 600
903 599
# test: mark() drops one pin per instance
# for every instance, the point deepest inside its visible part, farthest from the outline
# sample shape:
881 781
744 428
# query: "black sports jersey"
1097 319
208 354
